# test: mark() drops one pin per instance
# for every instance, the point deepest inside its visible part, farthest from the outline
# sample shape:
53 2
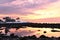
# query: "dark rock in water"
45 32
55 31
38 30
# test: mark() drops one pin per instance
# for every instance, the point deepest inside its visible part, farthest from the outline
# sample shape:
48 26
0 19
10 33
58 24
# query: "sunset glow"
29 10
35 11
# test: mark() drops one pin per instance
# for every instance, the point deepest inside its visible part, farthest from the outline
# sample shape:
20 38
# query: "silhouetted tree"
12 35
58 38
6 30
18 19
1 20
8 19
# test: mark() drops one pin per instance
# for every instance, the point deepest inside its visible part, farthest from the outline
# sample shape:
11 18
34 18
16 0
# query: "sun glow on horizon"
50 12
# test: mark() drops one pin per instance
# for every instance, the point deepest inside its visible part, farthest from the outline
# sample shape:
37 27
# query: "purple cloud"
35 3
8 9
53 0
20 6
13 9
5 1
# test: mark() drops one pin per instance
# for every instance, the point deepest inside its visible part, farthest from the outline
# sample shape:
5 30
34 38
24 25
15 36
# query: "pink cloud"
25 7
18 6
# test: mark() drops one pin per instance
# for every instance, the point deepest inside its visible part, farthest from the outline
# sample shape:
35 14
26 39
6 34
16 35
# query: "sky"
31 10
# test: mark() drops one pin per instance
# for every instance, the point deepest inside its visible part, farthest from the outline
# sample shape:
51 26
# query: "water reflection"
29 31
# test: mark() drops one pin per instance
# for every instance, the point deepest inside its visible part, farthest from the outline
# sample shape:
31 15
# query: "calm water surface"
29 31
